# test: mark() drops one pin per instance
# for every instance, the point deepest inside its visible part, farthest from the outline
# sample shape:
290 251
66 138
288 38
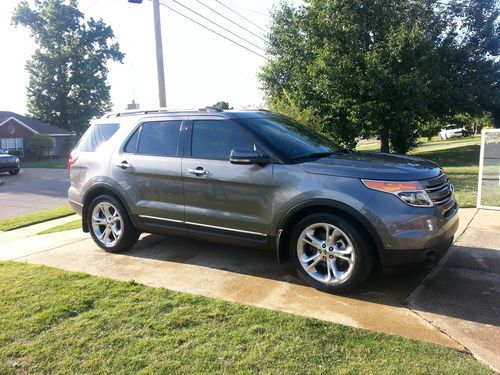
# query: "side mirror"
248 157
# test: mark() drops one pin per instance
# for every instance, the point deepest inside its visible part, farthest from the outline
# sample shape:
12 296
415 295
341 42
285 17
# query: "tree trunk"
384 142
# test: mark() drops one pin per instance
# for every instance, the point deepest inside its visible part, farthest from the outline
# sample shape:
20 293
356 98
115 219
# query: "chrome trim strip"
161 218
78 204
204 225
229 229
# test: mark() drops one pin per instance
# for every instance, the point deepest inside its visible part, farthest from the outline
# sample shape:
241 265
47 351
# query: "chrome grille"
439 189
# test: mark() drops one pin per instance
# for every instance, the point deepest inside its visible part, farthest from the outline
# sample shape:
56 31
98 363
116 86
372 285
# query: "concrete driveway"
33 189
254 278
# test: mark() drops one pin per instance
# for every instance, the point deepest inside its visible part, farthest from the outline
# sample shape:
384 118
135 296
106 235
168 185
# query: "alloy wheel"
107 224
326 253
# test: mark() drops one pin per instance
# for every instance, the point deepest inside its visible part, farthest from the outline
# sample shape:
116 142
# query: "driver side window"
214 139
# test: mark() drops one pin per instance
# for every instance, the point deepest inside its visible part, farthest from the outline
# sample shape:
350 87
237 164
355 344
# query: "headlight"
410 192
17 159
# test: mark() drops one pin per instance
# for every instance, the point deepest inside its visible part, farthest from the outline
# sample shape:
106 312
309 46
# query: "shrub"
17 153
39 144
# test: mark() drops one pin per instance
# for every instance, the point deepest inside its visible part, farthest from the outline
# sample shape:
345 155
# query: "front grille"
439 189
7 160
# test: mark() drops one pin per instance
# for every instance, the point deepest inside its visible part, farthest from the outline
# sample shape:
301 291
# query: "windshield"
291 139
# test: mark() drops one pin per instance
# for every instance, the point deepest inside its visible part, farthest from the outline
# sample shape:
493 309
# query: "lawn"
75 224
49 163
459 157
56 322
35 217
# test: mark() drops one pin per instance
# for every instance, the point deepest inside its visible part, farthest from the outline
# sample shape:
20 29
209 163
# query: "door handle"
199 171
123 165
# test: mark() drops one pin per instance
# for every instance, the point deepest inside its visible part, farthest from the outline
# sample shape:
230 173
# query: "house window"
12 144
51 151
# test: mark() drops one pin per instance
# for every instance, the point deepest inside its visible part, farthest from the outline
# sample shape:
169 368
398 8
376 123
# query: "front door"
225 201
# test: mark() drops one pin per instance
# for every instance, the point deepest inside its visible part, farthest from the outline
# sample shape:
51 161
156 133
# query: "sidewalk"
462 295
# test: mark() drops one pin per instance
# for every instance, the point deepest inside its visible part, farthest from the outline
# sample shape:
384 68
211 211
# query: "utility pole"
159 55
159 52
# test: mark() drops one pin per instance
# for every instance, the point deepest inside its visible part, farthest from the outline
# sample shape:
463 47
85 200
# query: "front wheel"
15 171
109 224
330 253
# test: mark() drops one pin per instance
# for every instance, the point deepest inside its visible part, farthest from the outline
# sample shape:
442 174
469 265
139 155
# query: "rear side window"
159 138
132 142
95 136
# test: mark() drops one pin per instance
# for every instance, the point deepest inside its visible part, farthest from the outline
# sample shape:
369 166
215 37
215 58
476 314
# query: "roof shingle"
36 125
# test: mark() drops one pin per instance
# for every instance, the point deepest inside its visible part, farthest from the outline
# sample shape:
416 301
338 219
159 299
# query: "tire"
14 172
116 232
342 264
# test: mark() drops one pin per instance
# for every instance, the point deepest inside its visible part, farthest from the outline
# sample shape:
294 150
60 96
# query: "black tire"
364 258
129 234
15 171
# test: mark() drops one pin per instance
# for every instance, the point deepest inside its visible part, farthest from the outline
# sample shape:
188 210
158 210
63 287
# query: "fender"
103 186
291 215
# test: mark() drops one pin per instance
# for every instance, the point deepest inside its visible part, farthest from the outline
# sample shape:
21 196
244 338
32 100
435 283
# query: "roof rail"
133 112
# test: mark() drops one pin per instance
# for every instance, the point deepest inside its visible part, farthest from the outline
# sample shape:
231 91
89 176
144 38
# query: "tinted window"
159 138
132 142
290 138
96 135
214 139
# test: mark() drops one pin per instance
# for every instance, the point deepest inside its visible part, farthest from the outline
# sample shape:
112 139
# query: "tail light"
72 160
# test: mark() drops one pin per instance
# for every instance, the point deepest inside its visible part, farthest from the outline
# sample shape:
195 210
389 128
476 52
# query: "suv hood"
3 156
374 165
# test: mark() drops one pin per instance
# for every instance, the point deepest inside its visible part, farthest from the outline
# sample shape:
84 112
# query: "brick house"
16 129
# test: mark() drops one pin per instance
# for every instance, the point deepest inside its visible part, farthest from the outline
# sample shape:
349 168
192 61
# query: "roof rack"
133 112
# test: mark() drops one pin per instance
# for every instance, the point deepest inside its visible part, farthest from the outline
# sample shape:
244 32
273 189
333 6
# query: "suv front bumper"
9 167
410 235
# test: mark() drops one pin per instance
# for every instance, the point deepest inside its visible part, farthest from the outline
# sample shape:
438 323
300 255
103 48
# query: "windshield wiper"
314 155
317 155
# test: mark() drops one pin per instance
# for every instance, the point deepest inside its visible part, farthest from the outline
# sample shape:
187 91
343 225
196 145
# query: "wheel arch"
294 215
95 191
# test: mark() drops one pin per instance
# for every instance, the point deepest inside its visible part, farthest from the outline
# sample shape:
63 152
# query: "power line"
216 24
242 16
215 32
250 10
230 20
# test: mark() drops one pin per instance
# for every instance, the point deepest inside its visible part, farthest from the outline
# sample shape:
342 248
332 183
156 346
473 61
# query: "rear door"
148 169
224 201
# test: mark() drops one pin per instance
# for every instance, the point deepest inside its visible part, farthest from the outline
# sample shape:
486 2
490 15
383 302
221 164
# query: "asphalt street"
33 189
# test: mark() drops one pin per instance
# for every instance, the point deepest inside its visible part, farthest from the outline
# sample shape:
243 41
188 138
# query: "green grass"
459 157
58 322
460 160
59 228
35 217
49 163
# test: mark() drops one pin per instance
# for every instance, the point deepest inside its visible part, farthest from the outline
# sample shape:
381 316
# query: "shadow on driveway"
390 287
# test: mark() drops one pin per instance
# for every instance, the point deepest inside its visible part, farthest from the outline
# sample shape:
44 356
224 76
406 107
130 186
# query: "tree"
222 105
379 67
68 72
39 144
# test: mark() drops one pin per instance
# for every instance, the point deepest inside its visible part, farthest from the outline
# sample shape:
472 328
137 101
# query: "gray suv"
259 179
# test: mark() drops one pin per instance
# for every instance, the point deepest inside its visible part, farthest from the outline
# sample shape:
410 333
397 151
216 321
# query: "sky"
201 68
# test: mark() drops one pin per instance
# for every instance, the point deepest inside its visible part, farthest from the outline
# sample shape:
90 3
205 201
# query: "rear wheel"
15 171
109 224
330 253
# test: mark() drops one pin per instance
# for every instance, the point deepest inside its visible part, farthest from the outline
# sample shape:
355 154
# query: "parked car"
259 179
9 163
452 131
